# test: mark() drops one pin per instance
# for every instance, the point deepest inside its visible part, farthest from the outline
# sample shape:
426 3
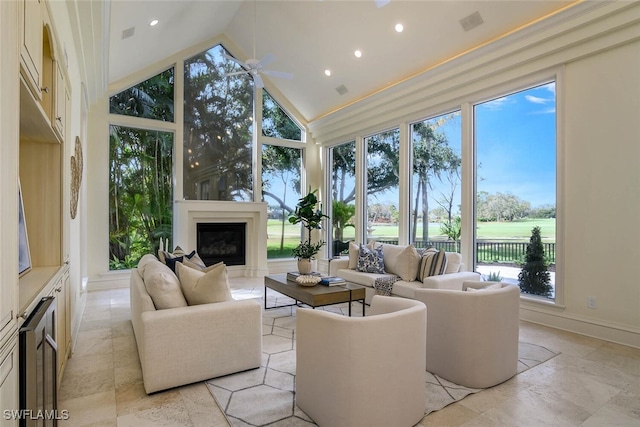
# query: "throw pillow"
162 286
454 260
402 261
370 260
433 263
204 288
196 266
354 252
171 261
146 259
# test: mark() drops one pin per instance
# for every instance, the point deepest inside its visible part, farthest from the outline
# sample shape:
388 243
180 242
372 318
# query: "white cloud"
497 103
537 100
551 87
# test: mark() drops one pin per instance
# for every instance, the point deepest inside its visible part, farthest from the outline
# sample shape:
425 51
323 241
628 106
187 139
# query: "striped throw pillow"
433 263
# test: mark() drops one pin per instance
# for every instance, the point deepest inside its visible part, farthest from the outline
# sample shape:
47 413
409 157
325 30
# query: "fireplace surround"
189 213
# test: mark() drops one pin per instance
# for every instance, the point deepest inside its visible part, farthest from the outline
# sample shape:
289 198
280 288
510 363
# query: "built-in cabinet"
31 44
9 380
61 291
41 127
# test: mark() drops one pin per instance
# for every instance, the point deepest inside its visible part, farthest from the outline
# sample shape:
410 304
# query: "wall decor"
24 256
76 177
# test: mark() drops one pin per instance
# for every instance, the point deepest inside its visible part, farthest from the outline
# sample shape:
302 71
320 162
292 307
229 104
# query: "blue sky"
516 145
516 148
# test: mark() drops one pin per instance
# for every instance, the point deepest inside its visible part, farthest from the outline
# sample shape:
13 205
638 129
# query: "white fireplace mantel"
188 213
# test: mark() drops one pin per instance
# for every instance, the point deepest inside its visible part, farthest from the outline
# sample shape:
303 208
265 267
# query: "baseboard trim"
110 280
608 331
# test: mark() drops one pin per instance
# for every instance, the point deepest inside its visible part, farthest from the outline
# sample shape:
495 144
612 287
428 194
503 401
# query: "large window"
151 99
276 123
383 186
140 172
281 167
140 193
343 196
218 129
515 140
435 190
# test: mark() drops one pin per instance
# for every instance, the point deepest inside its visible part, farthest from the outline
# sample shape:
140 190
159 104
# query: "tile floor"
592 383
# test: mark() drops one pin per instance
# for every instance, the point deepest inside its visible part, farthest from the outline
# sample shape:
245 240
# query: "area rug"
266 396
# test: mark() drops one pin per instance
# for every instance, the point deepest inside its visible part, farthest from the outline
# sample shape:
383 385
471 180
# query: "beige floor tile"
90 410
452 415
77 385
591 383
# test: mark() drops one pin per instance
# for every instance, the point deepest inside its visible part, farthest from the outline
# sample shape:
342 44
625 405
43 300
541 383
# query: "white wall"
596 59
596 55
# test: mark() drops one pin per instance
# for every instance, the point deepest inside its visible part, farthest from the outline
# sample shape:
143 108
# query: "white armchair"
472 337
363 371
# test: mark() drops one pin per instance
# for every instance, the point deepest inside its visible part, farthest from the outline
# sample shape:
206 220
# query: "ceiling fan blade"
280 74
236 73
268 59
257 80
237 61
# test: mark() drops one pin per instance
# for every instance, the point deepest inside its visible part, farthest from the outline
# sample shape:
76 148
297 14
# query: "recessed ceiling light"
153 23
358 53
399 28
327 72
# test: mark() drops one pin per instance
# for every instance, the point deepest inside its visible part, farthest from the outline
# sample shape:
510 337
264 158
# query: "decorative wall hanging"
76 177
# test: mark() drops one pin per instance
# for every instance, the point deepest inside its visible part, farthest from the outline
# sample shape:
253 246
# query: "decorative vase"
307 265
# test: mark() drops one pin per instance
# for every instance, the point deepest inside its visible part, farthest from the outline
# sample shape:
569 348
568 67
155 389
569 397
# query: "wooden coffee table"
314 296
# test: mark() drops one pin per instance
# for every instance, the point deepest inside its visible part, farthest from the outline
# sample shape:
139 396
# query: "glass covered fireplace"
221 241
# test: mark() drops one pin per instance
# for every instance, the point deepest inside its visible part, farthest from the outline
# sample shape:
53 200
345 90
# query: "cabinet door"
60 106
62 327
31 47
9 383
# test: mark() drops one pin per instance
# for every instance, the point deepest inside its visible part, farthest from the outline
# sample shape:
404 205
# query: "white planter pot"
306 265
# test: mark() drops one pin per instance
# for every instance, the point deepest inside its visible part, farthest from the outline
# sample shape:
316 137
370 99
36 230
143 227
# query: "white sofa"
362 371
472 337
453 277
184 345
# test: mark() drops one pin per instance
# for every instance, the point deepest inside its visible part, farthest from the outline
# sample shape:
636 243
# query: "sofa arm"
337 264
188 344
450 281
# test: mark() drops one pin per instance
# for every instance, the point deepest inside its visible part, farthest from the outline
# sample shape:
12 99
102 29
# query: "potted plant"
308 213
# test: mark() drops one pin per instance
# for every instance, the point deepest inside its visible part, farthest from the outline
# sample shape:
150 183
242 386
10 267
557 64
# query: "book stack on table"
325 280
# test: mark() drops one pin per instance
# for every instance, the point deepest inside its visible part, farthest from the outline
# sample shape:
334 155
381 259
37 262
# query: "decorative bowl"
307 280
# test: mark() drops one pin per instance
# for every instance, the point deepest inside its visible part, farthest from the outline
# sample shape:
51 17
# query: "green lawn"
516 231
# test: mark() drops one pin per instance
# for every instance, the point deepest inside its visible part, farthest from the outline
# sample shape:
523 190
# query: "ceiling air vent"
128 33
342 89
471 21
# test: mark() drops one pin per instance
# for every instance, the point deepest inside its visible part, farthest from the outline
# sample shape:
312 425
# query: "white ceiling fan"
254 66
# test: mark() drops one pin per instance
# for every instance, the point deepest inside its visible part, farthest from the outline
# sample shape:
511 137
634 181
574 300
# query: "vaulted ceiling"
311 36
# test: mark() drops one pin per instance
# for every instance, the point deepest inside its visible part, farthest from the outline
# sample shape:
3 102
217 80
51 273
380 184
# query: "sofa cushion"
402 261
204 288
433 263
494 285
370 260
454 261
162 286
